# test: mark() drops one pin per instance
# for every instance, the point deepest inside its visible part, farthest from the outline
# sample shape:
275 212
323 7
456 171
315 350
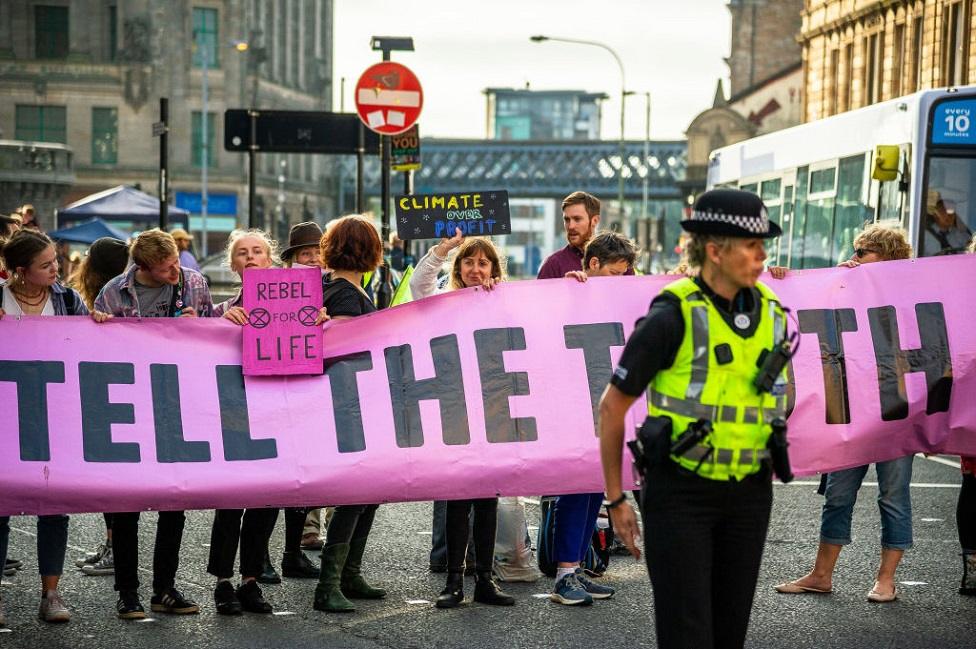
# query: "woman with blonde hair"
875 243
477 263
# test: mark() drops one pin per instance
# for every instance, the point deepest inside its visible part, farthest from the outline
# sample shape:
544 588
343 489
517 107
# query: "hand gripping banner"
463 395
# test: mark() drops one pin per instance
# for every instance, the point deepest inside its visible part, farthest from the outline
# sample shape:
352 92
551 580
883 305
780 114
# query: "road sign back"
389 98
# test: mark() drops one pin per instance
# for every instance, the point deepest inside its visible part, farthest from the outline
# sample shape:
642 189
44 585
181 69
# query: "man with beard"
581 215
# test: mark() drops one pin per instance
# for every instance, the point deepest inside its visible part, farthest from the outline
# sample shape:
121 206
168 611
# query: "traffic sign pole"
252 217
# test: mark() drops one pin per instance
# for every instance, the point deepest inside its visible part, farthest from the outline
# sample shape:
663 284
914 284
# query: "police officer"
697 353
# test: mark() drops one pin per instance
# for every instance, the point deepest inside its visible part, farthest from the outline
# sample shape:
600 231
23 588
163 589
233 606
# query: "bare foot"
808 583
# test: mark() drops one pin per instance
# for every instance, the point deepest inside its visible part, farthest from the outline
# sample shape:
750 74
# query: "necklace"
24 298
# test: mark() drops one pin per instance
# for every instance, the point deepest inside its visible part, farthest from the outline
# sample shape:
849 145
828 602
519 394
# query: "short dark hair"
610 247
351 243
589 202
20 249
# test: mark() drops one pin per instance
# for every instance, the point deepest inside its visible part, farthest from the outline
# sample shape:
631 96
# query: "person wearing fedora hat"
303 245
185 242
699 354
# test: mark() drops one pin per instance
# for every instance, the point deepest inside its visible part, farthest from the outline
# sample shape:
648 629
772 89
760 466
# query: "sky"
673 49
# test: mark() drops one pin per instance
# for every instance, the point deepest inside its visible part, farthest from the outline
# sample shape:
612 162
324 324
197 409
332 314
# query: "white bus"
910 160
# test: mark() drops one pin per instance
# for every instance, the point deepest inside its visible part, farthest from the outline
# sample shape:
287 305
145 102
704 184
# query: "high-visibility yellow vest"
696 386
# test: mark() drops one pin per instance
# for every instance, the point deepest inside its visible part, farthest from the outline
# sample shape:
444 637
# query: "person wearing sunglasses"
876 243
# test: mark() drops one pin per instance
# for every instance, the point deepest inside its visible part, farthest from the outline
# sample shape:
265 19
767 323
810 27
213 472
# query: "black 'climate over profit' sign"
432 216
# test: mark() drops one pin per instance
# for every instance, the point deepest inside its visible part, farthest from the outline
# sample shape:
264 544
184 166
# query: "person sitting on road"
874 244
477 263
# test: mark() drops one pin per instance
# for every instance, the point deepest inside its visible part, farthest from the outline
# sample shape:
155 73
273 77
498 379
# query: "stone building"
858 52
766 83
89 74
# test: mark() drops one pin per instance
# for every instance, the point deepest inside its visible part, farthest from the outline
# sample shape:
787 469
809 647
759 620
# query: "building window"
50 32
872 68
113 33
197 145
848 76
105 136
917 26
898 60
834 90
205 34
954 37
41 123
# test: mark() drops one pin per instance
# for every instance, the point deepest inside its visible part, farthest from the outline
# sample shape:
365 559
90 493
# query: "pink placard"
281 336
464 395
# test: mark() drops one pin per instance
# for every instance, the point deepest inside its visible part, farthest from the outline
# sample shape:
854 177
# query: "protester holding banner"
33 289
154 286
350 248
606 255
303 250
875 243
107 258
248 528
707 491
581 216
477 263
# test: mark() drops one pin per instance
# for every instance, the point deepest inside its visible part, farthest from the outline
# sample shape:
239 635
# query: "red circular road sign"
389 98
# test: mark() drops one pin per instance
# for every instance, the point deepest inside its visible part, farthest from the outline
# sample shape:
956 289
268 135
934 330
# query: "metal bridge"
536 169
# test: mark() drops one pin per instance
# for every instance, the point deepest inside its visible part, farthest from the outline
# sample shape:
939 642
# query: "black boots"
453 593
295 565
486 591
268 574
968 585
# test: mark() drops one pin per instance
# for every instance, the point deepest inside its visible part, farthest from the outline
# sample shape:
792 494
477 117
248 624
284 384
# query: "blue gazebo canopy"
87 232
122 203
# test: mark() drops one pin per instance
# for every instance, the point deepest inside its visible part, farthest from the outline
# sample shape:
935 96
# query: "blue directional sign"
954 122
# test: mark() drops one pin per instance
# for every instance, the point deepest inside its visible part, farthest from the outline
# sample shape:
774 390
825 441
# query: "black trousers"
483 529
252 535
966 513
294 526
350 522
166 553
703 543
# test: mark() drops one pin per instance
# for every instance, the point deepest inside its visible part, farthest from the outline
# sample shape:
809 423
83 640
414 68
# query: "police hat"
731 213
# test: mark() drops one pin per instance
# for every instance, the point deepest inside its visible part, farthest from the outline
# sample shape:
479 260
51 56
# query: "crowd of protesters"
155 275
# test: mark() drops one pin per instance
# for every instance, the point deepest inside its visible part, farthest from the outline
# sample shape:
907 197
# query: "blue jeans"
894 501
52 543
575 518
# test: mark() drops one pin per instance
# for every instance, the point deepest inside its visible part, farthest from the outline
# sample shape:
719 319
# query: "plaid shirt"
118 297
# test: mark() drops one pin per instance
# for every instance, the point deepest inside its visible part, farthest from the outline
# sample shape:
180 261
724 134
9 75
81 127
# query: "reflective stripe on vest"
698 387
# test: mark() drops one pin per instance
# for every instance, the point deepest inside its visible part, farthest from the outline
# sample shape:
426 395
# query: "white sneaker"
104 566
53 608
94 557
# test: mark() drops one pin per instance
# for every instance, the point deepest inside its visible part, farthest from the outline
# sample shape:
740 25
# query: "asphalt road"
930 612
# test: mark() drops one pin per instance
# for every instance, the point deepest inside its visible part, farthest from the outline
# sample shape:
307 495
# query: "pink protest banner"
281 336
463 395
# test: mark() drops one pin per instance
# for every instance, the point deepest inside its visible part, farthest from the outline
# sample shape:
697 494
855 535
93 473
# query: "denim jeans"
576 516
894 501
52 543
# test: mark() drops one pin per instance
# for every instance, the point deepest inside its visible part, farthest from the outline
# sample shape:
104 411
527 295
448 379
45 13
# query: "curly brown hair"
469 248
890 242
351 243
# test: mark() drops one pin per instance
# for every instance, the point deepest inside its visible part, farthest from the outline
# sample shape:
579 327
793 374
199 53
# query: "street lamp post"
623 103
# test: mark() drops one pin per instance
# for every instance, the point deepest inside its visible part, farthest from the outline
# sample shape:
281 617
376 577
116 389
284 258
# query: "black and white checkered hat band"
756 224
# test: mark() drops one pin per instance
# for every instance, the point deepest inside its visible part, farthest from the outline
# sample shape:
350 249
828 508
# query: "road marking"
418 601
283 613
939 460
11 631
914 583
147 619
932 520
541 595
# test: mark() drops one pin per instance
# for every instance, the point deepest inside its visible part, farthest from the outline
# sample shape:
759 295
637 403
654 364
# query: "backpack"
597 557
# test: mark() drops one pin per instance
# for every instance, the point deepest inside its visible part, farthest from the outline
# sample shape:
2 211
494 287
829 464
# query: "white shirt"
12 307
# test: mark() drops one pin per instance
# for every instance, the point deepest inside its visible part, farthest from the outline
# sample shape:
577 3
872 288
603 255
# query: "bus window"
818 226
949 205
851 214
769 191
795 250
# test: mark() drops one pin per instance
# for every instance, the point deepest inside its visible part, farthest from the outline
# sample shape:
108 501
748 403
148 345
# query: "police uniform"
706 511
